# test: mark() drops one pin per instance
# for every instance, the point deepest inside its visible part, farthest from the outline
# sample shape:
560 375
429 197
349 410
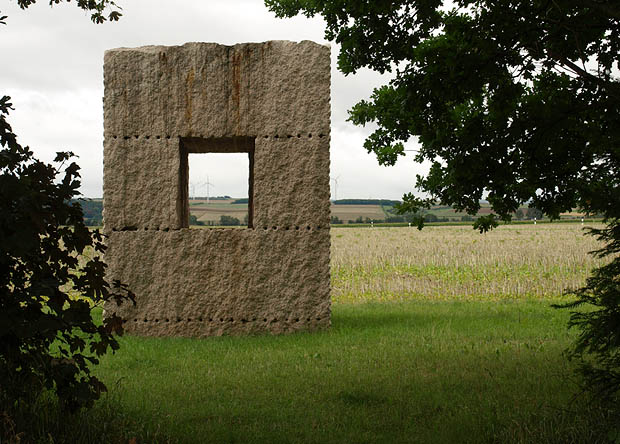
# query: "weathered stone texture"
205 89
206 282
141 183
270 100
291 187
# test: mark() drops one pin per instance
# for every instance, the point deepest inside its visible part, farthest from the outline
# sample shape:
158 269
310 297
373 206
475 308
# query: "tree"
97 8
48 337
229 220
93 212
534 213
430 217
519 214
511 101
193 220
334 220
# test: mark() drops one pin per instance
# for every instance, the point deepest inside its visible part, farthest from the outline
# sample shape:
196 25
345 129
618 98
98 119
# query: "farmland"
210 212
458 263
438 336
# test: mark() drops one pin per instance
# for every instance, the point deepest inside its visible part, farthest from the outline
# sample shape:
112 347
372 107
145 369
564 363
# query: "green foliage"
48 339
93 212
193 220
514 101
534 213
598 346
485 223
519 214
403 372
229 220
493 91
97 8
334 220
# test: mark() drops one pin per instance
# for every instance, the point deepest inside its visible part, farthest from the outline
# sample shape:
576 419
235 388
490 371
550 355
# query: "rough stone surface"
291 187
206 89
216 281
141 183
270 100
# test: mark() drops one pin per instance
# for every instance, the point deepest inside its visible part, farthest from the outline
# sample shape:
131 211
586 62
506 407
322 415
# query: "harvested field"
213 210
348 213
456 262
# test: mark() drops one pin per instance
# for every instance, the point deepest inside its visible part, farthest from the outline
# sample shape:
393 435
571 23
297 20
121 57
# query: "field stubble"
459 263
468 369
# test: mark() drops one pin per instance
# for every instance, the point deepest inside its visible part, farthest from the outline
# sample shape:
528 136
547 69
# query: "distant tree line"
92 210
381 202
93 217
529 214
226 221
212 197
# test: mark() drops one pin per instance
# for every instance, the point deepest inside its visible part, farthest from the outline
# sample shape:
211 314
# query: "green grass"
411 372
399 372
457 352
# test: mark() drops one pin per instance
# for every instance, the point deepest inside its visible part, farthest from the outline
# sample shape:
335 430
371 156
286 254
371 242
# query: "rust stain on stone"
272 277
236 87
189 88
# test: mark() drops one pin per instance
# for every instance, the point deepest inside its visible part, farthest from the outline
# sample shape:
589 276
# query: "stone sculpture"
270 100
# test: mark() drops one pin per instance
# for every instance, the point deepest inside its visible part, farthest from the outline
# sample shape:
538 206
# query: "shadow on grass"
464 316
390 372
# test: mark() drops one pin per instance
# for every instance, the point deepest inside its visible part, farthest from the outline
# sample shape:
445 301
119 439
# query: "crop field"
459 263
213 210
348 213
438 336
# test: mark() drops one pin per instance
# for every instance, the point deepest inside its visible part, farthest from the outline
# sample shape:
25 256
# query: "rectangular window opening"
216 182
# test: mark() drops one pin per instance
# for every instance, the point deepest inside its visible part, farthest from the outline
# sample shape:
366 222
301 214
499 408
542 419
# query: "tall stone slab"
270 100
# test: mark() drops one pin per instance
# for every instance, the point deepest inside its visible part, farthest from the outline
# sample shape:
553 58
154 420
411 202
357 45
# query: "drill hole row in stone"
265 228
296 228
290 136
277 136
223 320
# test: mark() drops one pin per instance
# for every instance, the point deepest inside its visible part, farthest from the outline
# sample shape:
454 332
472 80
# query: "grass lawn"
438 336
421 372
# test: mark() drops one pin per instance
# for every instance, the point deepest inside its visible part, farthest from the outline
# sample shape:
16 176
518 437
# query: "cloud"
53 69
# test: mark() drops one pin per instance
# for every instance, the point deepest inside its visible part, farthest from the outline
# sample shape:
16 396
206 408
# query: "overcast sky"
52 67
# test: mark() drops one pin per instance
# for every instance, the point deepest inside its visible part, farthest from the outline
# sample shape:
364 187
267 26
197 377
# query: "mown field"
212 211
512 262
348 213
438 336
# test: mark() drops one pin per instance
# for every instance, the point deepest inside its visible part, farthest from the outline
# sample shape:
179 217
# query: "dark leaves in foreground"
48 337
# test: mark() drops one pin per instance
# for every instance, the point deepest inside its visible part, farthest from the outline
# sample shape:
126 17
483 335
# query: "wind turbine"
335 179
208 184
